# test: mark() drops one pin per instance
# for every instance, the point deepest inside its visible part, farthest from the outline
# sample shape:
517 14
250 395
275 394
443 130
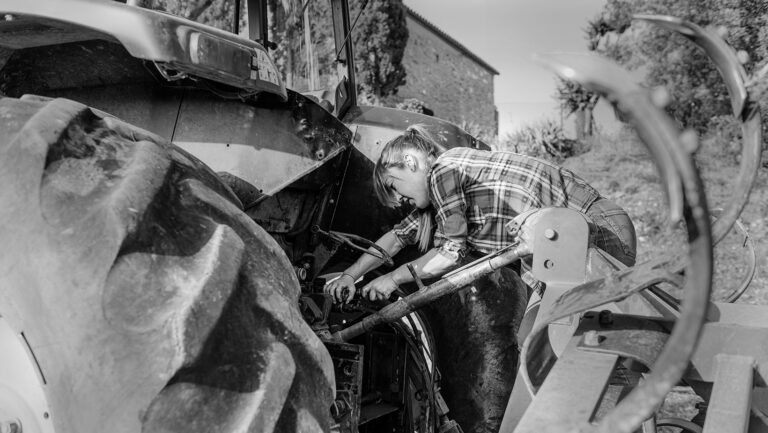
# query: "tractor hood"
178 47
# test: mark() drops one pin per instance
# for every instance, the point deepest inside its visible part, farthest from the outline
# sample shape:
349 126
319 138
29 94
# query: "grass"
621 170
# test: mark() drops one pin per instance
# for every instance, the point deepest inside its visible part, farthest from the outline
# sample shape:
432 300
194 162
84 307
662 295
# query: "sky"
506 34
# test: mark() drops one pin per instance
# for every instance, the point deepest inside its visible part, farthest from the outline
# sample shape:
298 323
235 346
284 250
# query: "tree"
216 13
697 91
575 99
380 37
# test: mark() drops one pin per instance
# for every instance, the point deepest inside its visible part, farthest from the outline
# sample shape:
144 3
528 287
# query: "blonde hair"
415 138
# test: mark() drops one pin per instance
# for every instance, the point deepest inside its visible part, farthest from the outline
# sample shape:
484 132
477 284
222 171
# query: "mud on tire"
151 302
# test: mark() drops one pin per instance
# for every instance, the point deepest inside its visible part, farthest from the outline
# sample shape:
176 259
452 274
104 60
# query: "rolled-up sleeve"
450 209
407 230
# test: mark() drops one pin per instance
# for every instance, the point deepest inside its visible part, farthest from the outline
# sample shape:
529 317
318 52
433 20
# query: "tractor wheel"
477 351
149 300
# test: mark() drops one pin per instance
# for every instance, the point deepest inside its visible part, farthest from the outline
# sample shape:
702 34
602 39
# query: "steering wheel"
672 152
352 241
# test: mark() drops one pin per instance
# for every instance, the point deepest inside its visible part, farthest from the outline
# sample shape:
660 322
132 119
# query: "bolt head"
550 234
605 318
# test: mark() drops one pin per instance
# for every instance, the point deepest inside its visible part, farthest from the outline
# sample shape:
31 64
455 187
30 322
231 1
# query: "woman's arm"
365 263
432 264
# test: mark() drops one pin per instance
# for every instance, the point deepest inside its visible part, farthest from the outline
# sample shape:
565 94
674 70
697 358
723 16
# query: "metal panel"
22 395
269 148
560 250
149 107
584 375
148 35
718 338
729 405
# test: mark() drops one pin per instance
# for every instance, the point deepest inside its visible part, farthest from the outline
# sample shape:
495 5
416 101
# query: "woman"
464 199
471 195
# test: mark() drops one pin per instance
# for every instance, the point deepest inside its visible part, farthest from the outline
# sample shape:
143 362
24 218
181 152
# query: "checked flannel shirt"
475 193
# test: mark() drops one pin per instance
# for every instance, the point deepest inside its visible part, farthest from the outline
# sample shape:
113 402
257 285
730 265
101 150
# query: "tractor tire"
148 299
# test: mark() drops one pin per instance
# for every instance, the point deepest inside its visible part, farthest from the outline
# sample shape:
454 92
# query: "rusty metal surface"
181 44
744 107
729 406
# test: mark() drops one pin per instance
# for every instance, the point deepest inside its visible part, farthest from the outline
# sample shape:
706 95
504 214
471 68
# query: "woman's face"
410 185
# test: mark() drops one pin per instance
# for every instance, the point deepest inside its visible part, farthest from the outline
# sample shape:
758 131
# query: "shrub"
543 139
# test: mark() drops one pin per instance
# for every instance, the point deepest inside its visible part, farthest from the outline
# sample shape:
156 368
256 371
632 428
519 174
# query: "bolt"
347 370
550 234
591 338
338 408
301 273
549 264
605 318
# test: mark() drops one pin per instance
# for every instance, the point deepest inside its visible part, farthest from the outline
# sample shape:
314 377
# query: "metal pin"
550 234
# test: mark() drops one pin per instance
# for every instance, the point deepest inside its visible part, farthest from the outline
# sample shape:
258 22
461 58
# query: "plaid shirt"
475 193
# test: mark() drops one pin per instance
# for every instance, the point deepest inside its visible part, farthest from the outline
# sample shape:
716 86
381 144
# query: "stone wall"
453 82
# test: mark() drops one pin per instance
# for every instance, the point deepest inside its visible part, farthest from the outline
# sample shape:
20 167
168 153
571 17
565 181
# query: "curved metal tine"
662 138
613 288
745 109
603 76
749 275
716 48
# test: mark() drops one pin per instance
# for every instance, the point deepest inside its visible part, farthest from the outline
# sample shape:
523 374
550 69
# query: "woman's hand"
336 288
380 288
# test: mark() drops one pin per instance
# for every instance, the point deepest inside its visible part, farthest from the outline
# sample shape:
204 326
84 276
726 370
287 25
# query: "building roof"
456 44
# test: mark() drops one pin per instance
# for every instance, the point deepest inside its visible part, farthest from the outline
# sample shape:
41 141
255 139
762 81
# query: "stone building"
452 81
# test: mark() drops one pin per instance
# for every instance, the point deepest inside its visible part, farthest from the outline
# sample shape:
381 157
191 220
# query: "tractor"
174 201
171 210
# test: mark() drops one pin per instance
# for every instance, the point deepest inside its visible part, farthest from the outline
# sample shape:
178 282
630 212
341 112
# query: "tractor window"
303 32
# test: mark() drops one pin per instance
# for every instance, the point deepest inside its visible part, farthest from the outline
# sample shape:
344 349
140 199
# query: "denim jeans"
612 231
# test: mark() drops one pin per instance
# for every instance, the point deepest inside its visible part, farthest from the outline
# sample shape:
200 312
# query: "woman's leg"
613 231
477 348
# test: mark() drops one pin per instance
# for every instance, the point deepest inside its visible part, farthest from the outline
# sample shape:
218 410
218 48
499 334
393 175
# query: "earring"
409 161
